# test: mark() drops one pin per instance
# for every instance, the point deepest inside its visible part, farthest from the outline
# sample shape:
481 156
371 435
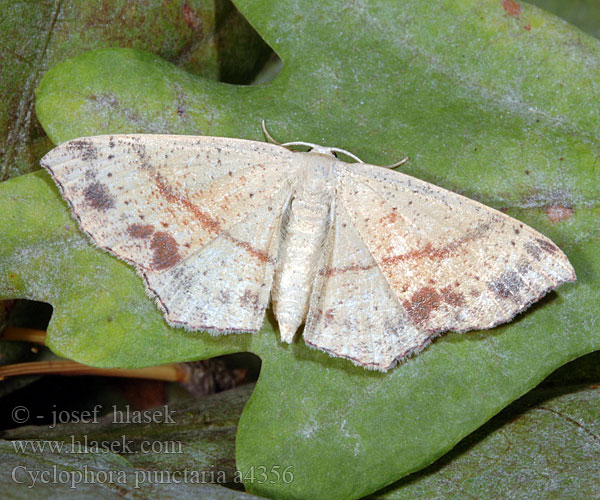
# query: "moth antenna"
267 135
401 162
347 153
299 143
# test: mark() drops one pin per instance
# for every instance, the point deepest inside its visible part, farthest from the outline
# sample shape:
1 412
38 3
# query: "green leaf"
585 14
545 445
495 100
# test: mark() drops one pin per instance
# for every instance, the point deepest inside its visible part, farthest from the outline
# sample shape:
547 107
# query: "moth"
373 262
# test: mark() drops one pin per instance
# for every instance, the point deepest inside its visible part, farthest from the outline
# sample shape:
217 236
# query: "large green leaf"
545 445
496 100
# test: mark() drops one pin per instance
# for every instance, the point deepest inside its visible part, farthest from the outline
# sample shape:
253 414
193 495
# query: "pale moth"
373 262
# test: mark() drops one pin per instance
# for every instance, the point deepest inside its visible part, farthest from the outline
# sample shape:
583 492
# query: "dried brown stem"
174 372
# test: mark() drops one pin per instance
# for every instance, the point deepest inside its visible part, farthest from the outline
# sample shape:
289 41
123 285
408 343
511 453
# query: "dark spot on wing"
391 218
98 196
329 316
422 304
141 231
507 286
534 251
165 251
83 148
547 246
251 299
139 148
455 299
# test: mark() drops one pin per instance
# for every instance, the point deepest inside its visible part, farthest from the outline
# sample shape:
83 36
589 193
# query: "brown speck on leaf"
165 250
422 303
557 213
141 231
190 17
98 196
511 7
527 27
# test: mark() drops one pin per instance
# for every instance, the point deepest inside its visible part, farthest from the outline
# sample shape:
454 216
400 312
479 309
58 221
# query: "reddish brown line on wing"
255 252
207 221
427 252
331 271
171 196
